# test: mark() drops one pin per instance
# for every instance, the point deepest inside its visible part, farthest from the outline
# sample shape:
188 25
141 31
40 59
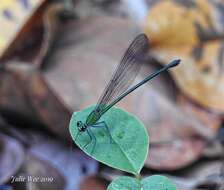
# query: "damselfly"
117 88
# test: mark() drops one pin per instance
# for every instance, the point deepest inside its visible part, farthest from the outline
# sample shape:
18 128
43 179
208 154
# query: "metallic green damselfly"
118 86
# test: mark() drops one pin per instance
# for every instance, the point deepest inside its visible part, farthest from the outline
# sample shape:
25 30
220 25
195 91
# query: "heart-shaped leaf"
129 146
155 182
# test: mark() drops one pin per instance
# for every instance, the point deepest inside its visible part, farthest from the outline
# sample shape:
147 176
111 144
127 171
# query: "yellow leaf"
169 23
13 16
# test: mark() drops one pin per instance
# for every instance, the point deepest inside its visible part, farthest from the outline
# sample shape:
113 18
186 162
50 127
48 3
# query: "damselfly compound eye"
79 123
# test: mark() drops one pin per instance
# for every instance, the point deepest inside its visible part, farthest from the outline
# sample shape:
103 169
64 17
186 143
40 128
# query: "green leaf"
158 182
155 182
127 183
129 148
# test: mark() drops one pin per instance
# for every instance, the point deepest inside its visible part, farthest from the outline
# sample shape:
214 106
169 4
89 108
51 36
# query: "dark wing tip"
143 35
142 41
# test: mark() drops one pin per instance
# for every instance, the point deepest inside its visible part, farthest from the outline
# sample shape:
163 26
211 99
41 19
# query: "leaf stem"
138 176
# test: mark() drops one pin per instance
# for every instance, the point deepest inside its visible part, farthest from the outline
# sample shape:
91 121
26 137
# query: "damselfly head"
81 126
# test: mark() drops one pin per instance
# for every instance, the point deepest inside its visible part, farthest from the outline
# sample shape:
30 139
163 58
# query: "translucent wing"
124 74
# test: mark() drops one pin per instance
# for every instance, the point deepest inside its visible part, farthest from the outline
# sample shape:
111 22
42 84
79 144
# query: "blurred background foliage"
55 56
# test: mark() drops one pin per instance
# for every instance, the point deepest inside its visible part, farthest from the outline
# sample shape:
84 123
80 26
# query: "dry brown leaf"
199 75
42 28
14 18
209 119
174 154
24 93
203 174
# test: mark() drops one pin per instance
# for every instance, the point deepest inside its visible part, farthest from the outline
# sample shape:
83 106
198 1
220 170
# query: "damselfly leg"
91 135
103 124
92 139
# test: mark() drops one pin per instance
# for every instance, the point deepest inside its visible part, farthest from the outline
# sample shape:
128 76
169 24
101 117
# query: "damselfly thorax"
92 118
